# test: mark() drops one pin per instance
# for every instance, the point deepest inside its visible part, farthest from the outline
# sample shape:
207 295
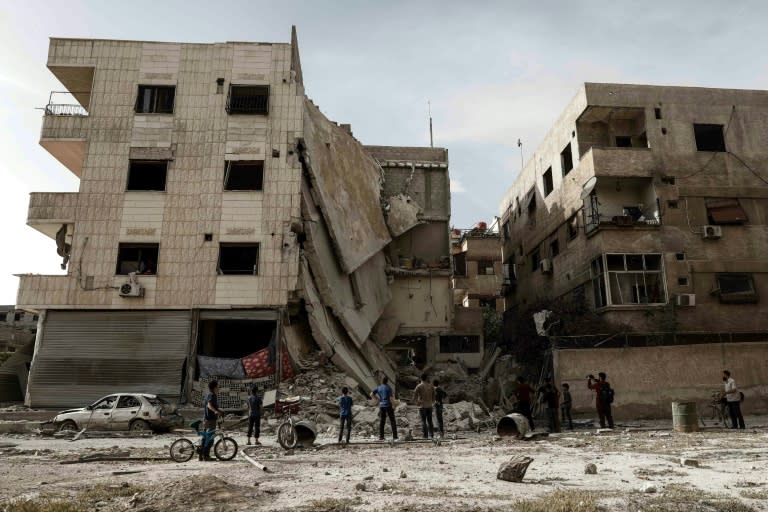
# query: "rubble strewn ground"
636 469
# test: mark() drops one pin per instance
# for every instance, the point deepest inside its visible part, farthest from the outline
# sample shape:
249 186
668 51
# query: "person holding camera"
603 398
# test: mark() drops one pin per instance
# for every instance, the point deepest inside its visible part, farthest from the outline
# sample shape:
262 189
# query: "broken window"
548 184
554 248
626 279
487 303
736 288
239 259
459 344
623 141
657 112
244 175
248 99
485 268
127 402
155 99
233 338
573 226
147 175
535 259
709 137
506 230
18 316
530 200
566 159
725 211
138 258
460 264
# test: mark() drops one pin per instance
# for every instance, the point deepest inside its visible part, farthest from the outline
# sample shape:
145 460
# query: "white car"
121 411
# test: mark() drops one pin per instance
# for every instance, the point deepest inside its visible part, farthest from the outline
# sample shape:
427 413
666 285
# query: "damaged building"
640 222
224 228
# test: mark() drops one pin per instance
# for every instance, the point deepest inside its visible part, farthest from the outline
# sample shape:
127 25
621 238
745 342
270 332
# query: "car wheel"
68 426
139 426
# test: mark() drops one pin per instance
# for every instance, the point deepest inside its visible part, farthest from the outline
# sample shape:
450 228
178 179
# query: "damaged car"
122 411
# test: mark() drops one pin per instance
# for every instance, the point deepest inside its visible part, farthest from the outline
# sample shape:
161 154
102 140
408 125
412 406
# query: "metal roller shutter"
85 355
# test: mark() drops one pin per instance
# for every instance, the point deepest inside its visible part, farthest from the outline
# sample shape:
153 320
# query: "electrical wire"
757 174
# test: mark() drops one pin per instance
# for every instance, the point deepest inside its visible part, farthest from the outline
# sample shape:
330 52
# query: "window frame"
566 155
698 127
121 246
741 297
601 274
227 245
154 98
547 182
486 266
253 111
229 164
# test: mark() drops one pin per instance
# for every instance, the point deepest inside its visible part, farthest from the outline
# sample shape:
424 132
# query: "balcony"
479 286
65 131
49 211
40 291
619 162
620 203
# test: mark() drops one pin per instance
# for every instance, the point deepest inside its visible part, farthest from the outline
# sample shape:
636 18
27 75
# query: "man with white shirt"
733 400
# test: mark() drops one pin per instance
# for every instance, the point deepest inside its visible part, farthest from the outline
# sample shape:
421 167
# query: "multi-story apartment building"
645 210
221 215
477 268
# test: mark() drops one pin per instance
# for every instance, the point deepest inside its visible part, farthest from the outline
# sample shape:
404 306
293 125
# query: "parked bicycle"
286 432
716 406
224 447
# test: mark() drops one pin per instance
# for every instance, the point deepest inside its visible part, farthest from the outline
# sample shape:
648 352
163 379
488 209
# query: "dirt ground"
637 469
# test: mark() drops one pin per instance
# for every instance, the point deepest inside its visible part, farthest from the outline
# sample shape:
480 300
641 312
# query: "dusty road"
732 475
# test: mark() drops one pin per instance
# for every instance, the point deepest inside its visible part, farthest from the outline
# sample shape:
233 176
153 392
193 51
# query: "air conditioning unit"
131 288
545 266
685 299
712 232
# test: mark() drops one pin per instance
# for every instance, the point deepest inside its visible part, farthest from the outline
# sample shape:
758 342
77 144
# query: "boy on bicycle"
210 412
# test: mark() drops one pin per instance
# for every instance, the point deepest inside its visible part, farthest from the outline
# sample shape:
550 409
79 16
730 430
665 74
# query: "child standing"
345 413
566 405
254 415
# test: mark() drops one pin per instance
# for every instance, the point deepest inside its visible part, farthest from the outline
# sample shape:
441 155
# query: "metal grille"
86 355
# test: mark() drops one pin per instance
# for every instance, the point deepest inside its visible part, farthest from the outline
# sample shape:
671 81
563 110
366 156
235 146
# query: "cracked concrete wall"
346 183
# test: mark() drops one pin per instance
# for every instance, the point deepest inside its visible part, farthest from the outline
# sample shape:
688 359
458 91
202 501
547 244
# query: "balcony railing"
53 109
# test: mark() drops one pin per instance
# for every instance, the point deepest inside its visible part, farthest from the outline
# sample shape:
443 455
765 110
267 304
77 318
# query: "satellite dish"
588 187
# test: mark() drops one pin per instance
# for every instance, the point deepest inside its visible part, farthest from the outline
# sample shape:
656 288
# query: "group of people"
430 397
554 401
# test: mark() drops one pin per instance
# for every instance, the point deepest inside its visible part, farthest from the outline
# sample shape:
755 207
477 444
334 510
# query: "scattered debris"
590 469
689 462
649 488
514 469
403 474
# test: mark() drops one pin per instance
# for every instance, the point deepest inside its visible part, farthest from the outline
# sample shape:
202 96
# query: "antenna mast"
431 141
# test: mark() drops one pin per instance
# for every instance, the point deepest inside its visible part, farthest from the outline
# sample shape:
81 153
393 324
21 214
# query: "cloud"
457 187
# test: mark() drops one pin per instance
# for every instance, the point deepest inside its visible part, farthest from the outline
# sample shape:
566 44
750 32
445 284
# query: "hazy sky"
494 72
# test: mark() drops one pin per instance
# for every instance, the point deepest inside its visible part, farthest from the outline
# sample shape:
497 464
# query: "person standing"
254 416
210 412
424 395
603 398
523 394
550 398
440 396
345 413
384 394
733 400
565 407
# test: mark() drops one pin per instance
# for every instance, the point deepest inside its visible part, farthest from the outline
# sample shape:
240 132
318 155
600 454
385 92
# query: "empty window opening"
459 344
682 281
530 200
627 279
554 248
239 259
548 184
487 303
485 268
408 351
208 237
668 180
219 86
680 256
663 131
138 258
657 112
725 211
709 137
18 316
505 229
147 175
623 141
566 159
460 264
535 260
233 338
248 99
573 226
244 175
155 99
736 288
673 205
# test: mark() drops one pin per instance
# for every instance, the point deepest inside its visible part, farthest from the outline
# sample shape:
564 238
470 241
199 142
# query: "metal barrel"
684 417
512 425
306 432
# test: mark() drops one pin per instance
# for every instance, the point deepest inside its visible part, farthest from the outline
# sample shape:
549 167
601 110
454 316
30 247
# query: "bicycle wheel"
225 448
182 450
287 436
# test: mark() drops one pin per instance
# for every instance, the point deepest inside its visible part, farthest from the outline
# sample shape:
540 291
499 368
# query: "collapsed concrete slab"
402 214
